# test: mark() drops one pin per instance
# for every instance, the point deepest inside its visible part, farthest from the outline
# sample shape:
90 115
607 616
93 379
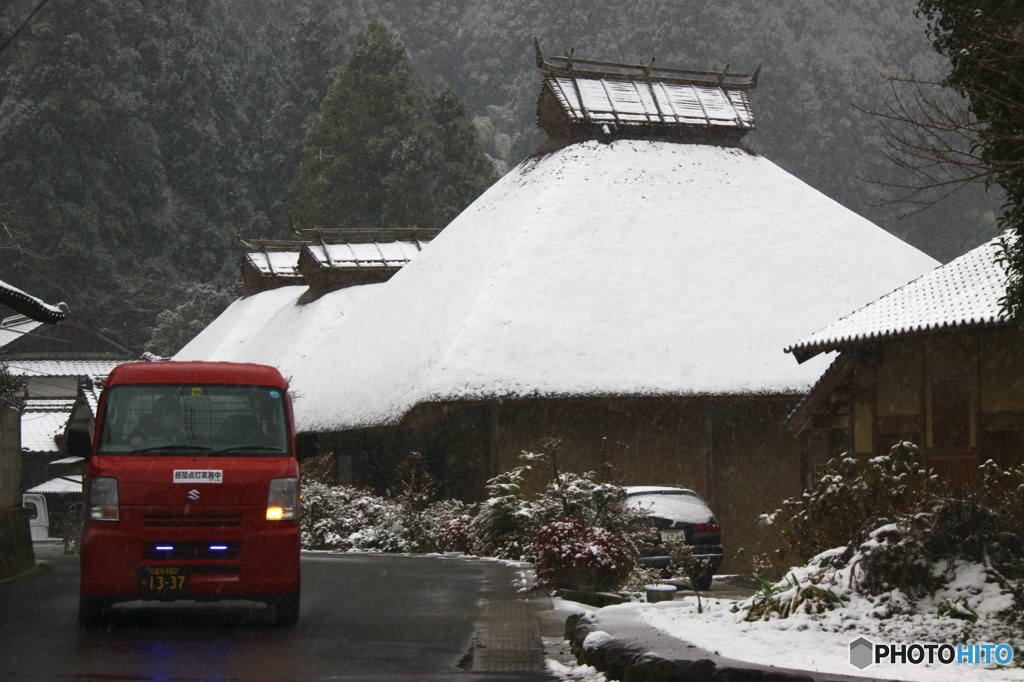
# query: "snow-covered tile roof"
29 305
626 101
91 394
39 428
98 369
14 327
962 293
59 486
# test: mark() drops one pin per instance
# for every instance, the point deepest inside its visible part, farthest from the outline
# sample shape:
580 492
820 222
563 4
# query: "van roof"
173 372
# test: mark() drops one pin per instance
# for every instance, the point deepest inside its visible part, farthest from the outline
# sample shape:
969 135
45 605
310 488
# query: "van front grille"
197 520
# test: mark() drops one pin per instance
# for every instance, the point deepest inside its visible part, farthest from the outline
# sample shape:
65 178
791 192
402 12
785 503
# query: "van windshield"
169 419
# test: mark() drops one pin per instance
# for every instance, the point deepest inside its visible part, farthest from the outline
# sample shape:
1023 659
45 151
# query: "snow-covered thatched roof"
966 292
272 328
636 268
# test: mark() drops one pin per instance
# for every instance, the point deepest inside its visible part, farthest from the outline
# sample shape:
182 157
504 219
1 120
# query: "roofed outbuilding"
935 362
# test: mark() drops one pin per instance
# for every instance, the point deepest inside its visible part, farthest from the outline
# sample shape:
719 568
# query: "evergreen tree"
201 304
376 155
120 155
982 40
269 146
80 164
286 80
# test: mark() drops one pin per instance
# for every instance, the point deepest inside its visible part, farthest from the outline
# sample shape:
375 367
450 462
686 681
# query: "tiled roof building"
934 362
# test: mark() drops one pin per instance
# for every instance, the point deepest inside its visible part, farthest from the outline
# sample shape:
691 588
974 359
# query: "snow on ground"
821 642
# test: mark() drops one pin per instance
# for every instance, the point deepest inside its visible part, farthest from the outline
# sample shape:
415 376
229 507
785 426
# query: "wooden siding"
958 394
732 451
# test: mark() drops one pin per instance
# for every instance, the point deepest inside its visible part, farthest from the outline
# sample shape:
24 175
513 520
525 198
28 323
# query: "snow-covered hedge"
905 548
577 530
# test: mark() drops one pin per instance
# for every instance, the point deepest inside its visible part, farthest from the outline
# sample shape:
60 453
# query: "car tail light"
283 499
103 504
707 528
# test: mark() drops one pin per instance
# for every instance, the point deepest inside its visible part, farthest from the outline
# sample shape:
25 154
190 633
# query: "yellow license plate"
163 580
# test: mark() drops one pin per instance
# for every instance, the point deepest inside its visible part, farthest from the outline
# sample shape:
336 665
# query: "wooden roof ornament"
589 99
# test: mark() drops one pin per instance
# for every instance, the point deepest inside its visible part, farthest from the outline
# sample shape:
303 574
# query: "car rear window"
681 506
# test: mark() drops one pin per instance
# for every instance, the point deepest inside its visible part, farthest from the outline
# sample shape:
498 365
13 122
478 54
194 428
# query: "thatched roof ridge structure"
329 259
590 99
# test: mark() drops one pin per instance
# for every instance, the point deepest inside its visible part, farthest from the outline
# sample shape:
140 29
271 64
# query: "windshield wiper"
171 447
248 448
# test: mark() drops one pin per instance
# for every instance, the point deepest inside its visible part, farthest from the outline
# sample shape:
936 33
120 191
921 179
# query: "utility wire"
14 35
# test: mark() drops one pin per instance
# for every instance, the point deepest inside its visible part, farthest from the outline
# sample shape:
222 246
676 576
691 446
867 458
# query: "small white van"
38 517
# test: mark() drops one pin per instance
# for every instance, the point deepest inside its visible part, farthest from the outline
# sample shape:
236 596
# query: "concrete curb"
619 661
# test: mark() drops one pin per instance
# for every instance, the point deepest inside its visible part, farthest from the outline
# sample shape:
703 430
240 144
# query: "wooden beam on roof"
570 65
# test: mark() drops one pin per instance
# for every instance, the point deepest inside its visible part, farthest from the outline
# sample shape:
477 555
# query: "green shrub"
887 524
853 497
502 528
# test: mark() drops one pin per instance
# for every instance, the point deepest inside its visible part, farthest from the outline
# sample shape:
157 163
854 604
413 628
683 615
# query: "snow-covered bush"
957 557
455 535
853 497
443 526
343 518
568 554
572 513
789 597
917 553
502 528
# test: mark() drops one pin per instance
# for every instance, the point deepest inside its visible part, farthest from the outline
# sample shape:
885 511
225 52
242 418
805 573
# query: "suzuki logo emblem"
193 494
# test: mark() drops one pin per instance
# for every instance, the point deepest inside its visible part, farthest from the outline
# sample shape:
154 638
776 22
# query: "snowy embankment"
820 642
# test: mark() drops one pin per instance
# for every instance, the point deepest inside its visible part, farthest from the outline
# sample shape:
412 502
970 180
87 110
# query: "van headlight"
103 503
283 499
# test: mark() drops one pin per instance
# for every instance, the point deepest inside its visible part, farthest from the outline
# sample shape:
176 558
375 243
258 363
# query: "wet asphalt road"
363 617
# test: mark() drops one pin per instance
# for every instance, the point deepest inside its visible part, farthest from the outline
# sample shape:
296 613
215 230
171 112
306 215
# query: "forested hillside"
138 138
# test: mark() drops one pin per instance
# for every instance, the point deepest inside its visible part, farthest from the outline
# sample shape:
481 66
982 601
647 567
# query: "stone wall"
15 540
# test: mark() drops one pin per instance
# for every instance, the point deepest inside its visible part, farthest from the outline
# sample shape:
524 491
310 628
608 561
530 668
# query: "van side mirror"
305 445
79 442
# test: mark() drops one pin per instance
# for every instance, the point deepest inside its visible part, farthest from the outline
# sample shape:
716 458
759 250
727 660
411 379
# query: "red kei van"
192 490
